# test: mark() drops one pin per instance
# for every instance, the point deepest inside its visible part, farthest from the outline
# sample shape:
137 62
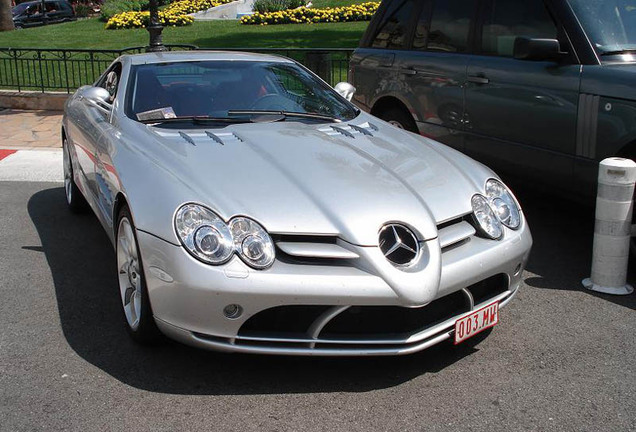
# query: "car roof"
28 3
185 56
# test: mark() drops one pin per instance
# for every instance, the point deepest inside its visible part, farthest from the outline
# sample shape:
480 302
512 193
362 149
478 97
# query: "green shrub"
111 8
82 10
264 6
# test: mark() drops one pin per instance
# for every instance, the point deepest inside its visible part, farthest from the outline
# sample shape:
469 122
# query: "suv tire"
399 118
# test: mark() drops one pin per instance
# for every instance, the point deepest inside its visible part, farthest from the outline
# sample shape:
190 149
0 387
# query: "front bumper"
312 308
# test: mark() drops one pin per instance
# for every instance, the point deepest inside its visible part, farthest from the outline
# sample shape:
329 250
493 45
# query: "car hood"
343 179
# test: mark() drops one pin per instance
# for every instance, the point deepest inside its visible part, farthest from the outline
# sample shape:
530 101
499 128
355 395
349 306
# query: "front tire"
74 198
132 283
399 118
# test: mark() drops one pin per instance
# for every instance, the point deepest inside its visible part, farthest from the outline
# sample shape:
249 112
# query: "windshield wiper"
619 52
285 114
195 120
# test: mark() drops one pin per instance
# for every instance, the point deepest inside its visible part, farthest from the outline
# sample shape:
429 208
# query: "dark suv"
30 14
541 89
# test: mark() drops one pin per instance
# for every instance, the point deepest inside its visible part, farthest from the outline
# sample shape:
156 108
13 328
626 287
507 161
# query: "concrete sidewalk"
23 130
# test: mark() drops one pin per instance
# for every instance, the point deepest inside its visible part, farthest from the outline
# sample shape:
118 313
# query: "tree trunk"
6 19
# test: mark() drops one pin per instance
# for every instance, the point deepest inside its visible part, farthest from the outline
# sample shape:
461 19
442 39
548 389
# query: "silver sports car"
254 209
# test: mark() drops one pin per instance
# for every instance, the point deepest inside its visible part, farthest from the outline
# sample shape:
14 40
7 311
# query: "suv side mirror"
537 49
345 90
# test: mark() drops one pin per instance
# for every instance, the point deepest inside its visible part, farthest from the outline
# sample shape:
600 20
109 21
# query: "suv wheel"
399 118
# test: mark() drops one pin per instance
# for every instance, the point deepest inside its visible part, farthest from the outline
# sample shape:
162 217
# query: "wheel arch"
628 150
120 201
387 102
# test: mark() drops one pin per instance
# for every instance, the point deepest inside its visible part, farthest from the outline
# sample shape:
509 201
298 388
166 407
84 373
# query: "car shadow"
563 233
82 264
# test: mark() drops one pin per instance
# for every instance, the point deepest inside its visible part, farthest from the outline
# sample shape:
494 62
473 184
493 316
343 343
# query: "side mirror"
345 90
98 97
537 49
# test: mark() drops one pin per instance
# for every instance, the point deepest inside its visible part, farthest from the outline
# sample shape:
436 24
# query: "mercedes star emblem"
399 245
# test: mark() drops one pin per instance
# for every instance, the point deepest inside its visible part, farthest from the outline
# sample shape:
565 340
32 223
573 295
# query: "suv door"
412 67
373 66
435 67
521 115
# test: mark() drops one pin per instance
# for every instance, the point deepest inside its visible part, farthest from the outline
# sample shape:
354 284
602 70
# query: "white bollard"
612 231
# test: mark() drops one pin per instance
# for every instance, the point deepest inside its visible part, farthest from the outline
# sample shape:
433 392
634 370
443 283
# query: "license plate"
477 321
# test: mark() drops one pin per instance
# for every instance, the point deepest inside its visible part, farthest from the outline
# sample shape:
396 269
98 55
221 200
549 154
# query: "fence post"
17 70
612 230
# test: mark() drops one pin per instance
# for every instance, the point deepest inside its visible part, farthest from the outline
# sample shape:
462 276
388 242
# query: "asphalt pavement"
561 359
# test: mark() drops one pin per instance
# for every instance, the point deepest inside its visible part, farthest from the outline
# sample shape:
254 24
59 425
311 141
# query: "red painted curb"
5 153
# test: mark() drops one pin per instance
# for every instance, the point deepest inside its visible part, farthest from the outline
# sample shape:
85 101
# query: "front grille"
455 232
371 321
291 320
289 327
489 288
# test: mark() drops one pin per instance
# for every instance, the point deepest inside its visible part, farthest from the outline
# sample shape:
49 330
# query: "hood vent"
350 130
187 137
224 138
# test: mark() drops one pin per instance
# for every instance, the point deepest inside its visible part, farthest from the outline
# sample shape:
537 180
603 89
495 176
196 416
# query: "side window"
450 25
420 37
505 20
392 33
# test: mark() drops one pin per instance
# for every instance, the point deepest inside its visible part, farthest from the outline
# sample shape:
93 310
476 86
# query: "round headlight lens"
252 243
204 234
503 204
486 218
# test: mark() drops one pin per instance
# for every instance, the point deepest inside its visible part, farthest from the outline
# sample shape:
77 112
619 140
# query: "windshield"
217 88
19 9
610 24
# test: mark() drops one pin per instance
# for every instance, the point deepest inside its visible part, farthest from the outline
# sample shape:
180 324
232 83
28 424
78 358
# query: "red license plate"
477 321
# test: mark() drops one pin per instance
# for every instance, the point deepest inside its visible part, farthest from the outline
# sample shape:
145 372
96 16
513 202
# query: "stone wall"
32 100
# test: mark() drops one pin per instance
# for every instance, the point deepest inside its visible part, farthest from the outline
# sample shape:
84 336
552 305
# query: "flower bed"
174 15
303 15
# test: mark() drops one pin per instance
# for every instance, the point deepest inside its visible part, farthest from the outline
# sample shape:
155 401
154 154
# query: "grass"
90 33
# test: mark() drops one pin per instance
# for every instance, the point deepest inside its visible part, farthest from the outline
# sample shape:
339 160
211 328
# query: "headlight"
252 242
207 237
503 204
487 221
204 234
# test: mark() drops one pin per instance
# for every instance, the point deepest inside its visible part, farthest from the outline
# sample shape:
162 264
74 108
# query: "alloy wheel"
130 283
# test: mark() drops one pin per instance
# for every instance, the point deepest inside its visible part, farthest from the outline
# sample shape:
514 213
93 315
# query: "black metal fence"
26 69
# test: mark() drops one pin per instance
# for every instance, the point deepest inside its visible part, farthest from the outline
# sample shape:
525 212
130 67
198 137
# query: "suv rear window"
392 32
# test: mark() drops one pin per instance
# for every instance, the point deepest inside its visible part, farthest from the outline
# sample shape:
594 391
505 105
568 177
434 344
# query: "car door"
85 133
106 180
54 11
435 67
33 15
521 115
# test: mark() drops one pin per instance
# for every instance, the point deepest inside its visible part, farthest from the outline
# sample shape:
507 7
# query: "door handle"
408 71
478 79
